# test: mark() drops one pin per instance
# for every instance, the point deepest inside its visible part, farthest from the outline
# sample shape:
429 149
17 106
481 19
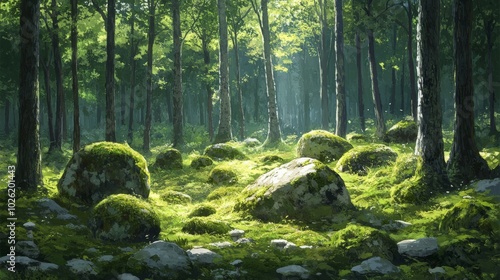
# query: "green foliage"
361 158
205 226
322 145
175 197
203 210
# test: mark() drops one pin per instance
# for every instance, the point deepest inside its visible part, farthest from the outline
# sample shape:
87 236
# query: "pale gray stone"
422 247
49 206
375 265
127 276
28 249
202 256
293 271
81 267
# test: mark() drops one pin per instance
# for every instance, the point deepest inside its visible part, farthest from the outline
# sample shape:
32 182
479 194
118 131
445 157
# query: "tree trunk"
149 77
74 74
28 172
489 27
305 91
48 98
256 113
274 132
377 102
170 117
177 96
323 67
59 80
133 51
411 65
238 86
464 163
361 104
208 87
110 73
402 106
392 98
341 121
7 115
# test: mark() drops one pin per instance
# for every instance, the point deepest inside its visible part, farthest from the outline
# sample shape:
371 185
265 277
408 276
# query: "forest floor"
370 194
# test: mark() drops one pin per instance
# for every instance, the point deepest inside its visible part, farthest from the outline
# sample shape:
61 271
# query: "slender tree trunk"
392 98
341 121
377 102
411 65
170 117
489 27
28 172
6 116
177 96
361 104
464 163
323 68
110 73
238 86
133 51
256 114
59 80
305 90
402 106
208 87
48 98
74 74
149 79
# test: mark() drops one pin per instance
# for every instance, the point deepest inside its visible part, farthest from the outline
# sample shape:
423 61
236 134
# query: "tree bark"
58 136
177 96
361 104
6 117
464 163
133 51
489 27
208 88
402 84
238 85
305 90
28 172
256 113
411 65
110 73
392 98
323 68
48 99
341 121
149 77
74 74
377 102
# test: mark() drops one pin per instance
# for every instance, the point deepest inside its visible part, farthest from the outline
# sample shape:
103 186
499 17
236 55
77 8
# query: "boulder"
199 225
223 151
127 276
102 169
175 197
161 260
83 268
222 175
491 187
293 272
422 247
375 265
202 256
304 189
361 158
201 161
252 142
404 131
123 217
469 214
28 249
169 159
203 210
322 145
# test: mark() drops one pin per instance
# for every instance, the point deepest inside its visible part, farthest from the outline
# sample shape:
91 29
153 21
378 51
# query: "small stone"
50 206
236 234
221 245
244 240
279 243
202 256
236 263
66 217
375 265
28 249
45 267
293 271
126 249
81 267
127 276
91 250
437 270
306 247
105 258
29 226
422 247
467 197
290 246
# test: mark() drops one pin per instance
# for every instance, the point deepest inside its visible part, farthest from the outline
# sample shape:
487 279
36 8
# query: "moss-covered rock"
175 197
221 175
361 158
356 137
201 161
271 159
169 159
205 226
223 151
203 210
303 189
469 214
104 168
404 131
223 192
124 217
252 142
464 250
360 242
404 168
322 145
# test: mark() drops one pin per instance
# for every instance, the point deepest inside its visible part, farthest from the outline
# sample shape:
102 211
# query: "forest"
249 139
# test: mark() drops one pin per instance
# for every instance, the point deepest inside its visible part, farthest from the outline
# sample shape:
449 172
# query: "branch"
100 11
257 12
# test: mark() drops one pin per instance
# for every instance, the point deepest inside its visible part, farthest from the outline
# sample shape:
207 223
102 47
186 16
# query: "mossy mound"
205 226
223 151
252 142
223 192
201 161
221 175
175 197
271 159
469 214
404 168
404 131
203 211
361 242
102 169
124 217
169 159
356 137
463 250
322 145
360 159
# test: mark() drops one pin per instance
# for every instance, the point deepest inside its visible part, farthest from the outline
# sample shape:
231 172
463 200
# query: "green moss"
271 159
462 249
201 161
175 197
202 211
404 131
360 242
125 217
356 137
404 168
223 192
169 159
468 214
322 145
205 226
222 175
360 159
223 151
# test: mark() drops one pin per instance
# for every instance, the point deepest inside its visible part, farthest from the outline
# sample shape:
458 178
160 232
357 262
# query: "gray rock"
279 243
396 225
236 263
251 142
66 217
221 245
29 226
92 250
21 261
126 249
422 247
490 186
375 265
290 246
236 234
81 267
306 247
49 206
293 271
244 240
202 256
75 227
127 276
437 270
28 249
105 258
162 259
45 267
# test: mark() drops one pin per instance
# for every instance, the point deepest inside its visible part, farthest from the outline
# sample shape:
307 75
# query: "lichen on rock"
322 145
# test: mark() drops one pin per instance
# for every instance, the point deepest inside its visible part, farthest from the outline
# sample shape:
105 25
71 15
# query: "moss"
221 175
223 192
271 159
169 159
175 197
462 249
360 159
201 161
223 151
404 168
125 217
205 226
404 131
322 145
202 211
360 242
468 214
356 137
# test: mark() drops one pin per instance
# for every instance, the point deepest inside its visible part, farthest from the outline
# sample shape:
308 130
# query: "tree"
149 82
177 96
464 163
74 74
224 133
133 51
323 62
60 112
29 161
48 98
361 105
341 122
110 73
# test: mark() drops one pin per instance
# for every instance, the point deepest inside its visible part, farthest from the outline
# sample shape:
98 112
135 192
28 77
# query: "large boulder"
169 159
104 168
322 145
469 214
223 151
303 189
404 131
361 158
422 247
123 217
